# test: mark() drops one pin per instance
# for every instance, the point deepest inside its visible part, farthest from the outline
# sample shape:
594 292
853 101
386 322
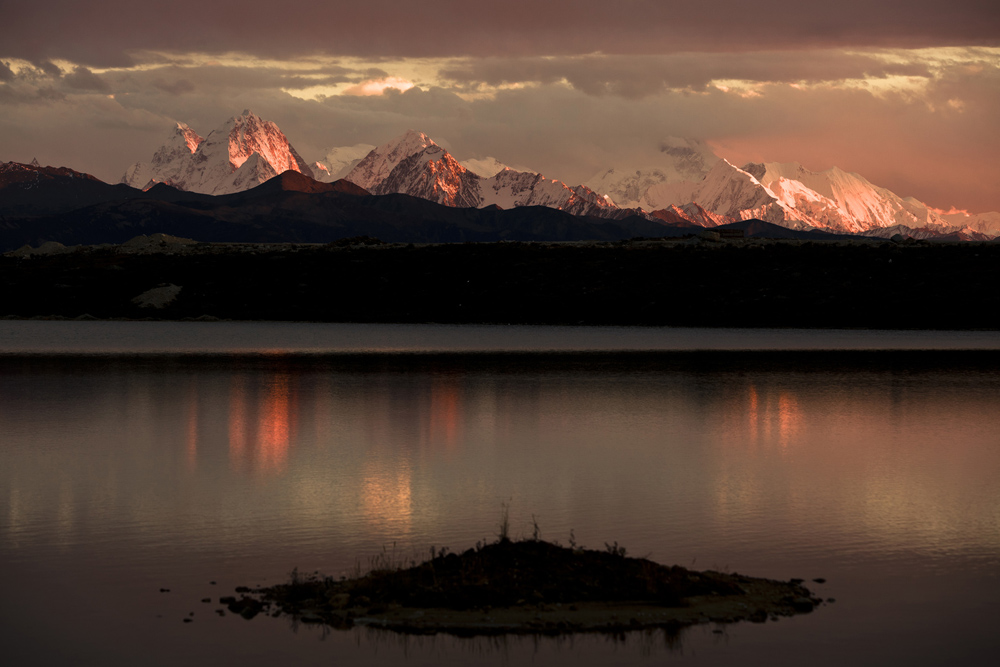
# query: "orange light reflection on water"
446 409
764 418
261 425
274 431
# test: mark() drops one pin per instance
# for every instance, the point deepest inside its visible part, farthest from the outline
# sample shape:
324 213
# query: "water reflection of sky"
175 469
882 463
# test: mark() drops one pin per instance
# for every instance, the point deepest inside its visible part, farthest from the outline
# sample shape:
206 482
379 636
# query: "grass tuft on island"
525 586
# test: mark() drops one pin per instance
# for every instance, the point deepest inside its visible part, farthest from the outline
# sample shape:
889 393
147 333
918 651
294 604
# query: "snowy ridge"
169 162
984 223
789 195
726 191
430 173
847 201
254 171
413 164
486 167
210 165
691 213
509 189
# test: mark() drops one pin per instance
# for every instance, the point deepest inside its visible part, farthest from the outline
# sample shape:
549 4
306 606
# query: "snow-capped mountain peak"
486 167
242 136
680 180
847 201
380 161
208 165
170 161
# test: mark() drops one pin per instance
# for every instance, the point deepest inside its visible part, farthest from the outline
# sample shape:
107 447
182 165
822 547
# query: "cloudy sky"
905 92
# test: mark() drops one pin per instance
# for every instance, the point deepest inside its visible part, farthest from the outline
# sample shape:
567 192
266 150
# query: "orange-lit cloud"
379 86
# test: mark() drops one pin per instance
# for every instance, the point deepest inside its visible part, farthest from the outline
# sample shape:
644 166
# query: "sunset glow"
553 91
379 86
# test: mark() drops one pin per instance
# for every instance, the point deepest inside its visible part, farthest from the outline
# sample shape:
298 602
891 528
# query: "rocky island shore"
526 586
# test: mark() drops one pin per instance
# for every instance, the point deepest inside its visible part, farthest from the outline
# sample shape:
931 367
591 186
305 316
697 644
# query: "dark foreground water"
124 474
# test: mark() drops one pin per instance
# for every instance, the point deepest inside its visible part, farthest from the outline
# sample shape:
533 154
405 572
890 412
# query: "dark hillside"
681 283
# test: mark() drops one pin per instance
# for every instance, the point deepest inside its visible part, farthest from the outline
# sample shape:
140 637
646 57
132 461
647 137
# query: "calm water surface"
124 473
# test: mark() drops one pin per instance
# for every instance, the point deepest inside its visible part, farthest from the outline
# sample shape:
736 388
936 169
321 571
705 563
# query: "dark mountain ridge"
73 208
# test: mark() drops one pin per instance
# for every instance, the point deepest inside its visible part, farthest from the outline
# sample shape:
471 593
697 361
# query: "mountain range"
687 182
687 186
41 205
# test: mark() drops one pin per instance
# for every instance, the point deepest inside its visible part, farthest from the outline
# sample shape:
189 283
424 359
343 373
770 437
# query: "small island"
525 586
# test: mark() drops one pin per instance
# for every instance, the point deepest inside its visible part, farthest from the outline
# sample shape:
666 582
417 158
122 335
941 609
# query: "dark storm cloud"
49 68
6 73
105 34
174 86
50 94
229 79
82 78
639 76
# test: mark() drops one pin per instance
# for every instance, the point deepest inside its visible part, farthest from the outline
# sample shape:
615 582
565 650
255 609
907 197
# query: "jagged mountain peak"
413 164
381 160
406 144
189 137
209 165
249 133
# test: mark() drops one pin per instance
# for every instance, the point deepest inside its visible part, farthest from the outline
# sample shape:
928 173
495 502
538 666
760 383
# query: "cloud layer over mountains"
905 92
105 34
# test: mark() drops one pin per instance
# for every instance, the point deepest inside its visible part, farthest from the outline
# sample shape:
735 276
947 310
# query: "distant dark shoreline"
665 282
960 364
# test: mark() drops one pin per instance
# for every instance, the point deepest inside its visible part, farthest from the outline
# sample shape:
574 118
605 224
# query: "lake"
136 457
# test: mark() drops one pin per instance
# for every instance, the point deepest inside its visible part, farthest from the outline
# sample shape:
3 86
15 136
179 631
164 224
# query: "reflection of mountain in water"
391 449
262 420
